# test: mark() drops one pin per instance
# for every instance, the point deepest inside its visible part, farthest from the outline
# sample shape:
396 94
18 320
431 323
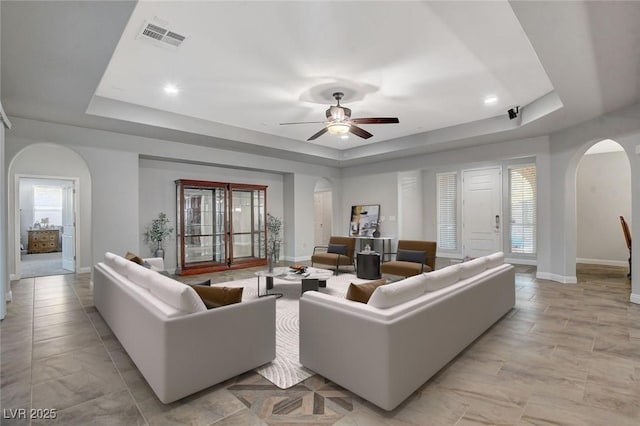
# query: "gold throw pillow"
362 292
214 297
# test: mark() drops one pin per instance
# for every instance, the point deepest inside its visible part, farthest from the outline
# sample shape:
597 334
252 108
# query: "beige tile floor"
566 354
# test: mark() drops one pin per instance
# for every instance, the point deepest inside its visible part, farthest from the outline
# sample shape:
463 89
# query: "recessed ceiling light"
171 89
490 100
344 137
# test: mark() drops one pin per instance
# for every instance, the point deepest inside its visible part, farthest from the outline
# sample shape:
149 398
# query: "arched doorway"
323 211
603 194
58 171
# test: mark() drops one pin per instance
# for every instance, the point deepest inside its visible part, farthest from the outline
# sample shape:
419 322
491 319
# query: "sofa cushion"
120 265
416 256
176 294
137 259
110 259
337 249
216 296
139 275
442 278
472 267
494 260
362 292
330 259
399 292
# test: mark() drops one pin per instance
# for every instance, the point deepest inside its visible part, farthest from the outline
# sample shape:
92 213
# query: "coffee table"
311 279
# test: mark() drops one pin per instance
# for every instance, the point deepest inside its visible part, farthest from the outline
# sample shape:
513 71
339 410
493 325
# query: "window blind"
522 201
447 211
47 203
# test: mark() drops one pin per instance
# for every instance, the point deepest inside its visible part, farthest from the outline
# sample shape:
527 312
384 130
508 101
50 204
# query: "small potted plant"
156 234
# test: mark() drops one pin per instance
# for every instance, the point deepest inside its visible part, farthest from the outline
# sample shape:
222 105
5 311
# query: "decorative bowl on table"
298 269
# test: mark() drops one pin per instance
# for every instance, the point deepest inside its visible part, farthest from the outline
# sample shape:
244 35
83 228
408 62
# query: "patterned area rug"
286 371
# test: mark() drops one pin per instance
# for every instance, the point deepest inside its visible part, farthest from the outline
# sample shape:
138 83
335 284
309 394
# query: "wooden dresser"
43 240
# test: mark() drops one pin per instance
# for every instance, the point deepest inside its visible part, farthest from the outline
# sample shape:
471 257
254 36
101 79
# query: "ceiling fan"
339 121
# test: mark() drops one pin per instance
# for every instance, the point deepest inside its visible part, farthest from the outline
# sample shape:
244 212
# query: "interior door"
481 212
68 228
322 217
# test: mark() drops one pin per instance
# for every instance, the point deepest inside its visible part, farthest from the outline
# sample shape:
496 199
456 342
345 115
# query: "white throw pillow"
494 260
442 278
393 294
472 267
140 275
176 294
120 265
110 259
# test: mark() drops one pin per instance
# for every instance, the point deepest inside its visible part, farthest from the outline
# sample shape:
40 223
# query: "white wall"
117 211
158 193
44 160
603 193
380 189
4 230
567 148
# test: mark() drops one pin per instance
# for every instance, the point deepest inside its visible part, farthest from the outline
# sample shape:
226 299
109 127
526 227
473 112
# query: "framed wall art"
364 220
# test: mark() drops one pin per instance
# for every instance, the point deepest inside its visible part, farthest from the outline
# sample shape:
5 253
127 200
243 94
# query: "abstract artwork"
364 220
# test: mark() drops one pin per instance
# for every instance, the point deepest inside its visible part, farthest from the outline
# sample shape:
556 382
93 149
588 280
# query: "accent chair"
413 257
627 239
338 253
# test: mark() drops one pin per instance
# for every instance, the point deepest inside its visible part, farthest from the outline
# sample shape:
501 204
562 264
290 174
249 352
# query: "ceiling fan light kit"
339 121
338 128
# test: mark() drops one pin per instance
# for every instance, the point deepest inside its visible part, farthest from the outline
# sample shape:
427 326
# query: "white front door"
68 229
481 212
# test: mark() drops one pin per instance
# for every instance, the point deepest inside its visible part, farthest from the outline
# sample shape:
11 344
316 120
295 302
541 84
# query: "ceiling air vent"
161 35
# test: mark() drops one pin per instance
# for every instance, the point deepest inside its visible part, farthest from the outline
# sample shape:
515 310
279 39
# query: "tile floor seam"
33 325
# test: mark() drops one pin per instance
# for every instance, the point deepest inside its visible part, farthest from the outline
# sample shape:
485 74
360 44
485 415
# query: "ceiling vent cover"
161 35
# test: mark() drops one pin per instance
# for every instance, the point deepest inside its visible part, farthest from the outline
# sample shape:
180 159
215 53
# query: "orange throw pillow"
362 292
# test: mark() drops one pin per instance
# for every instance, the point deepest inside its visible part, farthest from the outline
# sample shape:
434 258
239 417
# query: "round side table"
368 265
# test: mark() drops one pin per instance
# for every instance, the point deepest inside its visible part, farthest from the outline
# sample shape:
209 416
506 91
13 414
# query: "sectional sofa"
386 349
178 345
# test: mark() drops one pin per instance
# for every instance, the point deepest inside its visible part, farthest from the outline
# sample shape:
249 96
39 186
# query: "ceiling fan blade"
317 135
359 132
303 122
376 120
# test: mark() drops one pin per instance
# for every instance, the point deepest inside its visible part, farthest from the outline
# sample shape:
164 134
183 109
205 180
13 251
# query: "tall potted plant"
156 234
274 228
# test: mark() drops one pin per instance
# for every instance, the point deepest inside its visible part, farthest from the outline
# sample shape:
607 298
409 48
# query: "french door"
219 226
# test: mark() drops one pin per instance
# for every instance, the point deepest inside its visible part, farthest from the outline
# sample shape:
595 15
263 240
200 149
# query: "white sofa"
178 345
386 349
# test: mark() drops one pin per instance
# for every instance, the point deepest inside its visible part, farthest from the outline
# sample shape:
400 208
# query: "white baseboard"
517 261
450 255
555 277
297 259
635 298
602 262
83 270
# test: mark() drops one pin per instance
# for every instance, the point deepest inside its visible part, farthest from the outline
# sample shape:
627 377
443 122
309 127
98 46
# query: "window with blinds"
47 204
522 202
447 211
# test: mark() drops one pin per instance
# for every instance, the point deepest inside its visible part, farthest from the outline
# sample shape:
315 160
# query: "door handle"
497 223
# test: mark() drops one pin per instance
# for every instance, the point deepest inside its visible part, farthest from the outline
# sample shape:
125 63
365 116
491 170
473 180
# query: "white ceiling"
256 65
248 63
